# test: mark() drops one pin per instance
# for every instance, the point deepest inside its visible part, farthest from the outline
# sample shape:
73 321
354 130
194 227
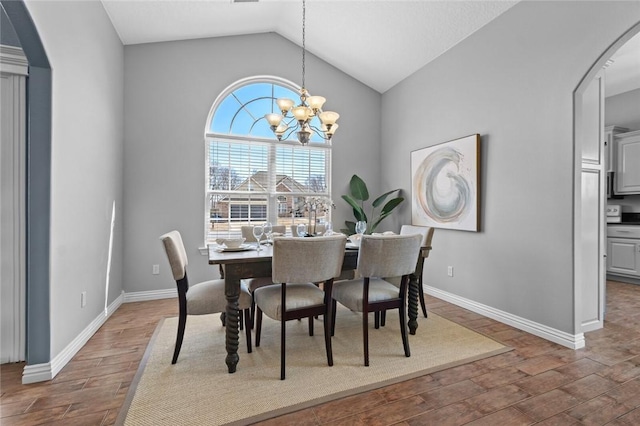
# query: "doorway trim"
578 128
14 70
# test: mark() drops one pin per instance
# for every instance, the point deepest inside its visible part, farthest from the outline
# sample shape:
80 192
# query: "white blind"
251 181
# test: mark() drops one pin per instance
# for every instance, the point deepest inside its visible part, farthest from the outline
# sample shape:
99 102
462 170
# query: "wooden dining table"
238 265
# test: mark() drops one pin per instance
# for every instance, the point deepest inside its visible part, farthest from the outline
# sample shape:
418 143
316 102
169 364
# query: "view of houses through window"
251 177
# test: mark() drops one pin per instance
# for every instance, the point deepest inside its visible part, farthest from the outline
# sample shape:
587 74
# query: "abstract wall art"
445 184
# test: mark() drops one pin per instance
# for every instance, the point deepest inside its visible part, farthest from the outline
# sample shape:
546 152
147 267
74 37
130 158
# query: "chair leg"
327 337
334 305
240 322
258 326
247 320
403 329
383 318
365 337
182 322
376 320
310 326
283 330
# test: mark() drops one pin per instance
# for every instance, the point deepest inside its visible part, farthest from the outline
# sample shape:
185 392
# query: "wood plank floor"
537 383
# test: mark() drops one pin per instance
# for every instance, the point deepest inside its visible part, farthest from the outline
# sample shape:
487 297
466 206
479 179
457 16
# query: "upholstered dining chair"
297 296
198 299
380 256
425 249
253 283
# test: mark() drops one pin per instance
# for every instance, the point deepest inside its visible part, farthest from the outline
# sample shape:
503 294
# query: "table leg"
413 303
232 293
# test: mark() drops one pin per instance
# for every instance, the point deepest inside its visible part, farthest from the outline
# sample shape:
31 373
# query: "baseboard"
43 372
143 296
560 337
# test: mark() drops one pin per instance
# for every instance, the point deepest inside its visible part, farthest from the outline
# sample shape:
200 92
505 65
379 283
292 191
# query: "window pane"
250 182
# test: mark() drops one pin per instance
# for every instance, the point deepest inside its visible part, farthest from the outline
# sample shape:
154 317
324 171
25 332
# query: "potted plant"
356 199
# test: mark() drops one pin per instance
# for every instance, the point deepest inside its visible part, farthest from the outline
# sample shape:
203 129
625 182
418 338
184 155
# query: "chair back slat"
388 255
176 253
303 260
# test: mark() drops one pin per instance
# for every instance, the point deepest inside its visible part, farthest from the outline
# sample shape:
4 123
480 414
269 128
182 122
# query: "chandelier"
283 125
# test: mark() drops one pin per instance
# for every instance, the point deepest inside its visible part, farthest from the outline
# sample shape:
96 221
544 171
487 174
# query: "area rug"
198 390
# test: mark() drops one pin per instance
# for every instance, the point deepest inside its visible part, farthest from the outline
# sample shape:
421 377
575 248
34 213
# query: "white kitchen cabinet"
623 256
609 149
627 148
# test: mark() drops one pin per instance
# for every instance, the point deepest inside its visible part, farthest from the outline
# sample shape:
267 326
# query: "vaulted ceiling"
378 42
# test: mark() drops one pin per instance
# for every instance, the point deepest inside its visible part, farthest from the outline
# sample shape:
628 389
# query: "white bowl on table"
231 243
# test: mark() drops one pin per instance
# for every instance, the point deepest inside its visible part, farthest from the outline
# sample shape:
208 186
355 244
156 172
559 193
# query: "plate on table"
243 247
352 246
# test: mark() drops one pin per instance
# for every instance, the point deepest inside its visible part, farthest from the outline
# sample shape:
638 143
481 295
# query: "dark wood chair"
204 298
380 256
298 263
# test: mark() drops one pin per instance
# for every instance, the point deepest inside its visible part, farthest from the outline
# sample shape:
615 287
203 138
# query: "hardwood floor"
537 383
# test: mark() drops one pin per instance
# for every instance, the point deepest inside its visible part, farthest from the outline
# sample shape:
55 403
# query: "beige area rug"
198 390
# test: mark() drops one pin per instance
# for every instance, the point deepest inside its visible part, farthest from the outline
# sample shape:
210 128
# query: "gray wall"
623 110
169 90
8 35
86 161
512 82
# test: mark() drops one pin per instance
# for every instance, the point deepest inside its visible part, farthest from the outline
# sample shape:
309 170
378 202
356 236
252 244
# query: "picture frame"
445 185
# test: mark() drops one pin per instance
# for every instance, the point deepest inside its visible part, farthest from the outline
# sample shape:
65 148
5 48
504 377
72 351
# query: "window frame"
272 196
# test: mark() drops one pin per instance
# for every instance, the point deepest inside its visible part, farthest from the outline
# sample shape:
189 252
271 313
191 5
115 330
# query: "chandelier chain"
304 9
310 108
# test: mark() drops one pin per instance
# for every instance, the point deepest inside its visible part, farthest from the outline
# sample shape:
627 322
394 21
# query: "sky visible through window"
241 113
251 176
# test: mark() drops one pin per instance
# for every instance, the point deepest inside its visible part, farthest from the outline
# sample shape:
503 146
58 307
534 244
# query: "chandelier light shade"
297 118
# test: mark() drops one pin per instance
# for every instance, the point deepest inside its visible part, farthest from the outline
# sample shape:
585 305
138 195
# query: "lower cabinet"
623 256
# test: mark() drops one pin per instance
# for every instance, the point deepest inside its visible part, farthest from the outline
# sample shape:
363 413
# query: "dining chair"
253 283
379 256
297 296
425 249
203 298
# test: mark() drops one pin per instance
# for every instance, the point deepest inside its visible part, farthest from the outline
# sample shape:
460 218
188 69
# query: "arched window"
251 177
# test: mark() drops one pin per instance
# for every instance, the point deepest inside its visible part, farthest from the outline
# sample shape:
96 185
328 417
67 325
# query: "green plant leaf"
392 204
358 188
386 211
360 194
357 210
378 201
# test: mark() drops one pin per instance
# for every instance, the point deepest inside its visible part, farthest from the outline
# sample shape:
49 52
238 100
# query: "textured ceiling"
377 42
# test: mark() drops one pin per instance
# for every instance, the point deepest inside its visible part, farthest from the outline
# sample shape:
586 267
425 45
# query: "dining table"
236 265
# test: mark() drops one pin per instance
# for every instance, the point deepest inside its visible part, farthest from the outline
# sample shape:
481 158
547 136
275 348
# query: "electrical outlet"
450 271
83 299
155 270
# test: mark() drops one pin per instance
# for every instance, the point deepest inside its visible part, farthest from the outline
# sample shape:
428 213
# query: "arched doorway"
590 193
38 200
